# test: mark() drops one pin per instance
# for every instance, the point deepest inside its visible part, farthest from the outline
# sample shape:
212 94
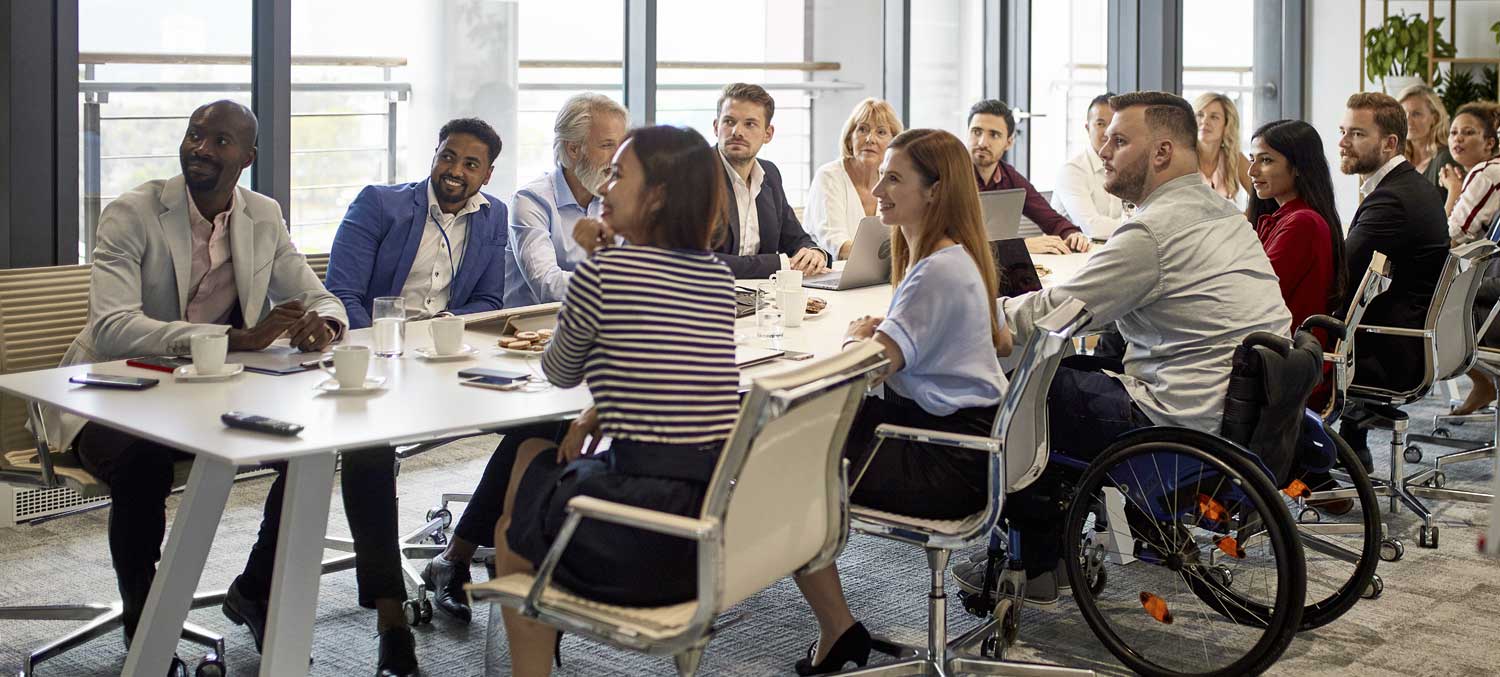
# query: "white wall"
1333 64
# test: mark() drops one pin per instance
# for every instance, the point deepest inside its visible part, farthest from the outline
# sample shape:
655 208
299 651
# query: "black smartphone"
480 372
112 381
260 424
495 382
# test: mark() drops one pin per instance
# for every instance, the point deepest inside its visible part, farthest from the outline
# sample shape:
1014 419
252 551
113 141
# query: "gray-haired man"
542 252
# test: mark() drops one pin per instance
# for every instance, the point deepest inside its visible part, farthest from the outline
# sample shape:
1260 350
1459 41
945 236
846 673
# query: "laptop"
1014 267
1002 212
869 261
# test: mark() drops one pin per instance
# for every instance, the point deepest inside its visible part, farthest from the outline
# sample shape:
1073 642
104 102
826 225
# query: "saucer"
371 385
528 354
431 354
190 373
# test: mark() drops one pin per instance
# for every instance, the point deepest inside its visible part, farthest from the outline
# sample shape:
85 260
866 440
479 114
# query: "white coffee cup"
208 353
350 364
793 304
447 334
787 279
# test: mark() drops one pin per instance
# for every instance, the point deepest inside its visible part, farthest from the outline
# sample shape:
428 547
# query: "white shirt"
1080 196
439 255
744 200
1371 183
833 208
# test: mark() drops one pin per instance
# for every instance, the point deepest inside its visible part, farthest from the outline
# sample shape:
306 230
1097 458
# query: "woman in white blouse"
840 194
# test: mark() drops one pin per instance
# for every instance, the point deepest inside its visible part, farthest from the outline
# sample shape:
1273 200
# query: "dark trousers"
139 475
477 525
921 479
1087 411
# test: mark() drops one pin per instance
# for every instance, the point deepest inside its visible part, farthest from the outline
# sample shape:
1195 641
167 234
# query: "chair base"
101 619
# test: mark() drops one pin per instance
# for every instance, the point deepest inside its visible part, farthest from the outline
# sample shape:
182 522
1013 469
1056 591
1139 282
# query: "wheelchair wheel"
1187 496
1342 548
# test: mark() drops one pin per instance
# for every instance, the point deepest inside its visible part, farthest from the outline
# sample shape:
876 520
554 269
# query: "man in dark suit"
1400 215
440 243
762 229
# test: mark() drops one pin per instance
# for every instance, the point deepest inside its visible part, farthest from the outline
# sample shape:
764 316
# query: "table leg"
177 578
299 552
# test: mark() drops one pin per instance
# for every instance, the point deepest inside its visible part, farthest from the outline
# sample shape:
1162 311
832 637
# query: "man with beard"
1184 279
543 251
183 256
1400 215
439 242
992 131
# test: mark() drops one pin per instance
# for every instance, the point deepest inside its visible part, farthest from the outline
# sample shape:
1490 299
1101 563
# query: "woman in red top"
1294 215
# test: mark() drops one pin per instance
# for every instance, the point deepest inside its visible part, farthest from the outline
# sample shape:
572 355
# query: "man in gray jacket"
196 254
1185 280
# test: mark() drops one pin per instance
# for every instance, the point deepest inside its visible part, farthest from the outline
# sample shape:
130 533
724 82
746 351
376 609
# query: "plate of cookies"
815 307
526 343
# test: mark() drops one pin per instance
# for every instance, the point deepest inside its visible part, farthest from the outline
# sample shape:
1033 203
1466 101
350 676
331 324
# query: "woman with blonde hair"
842 190
1426 132
1219 157
942 335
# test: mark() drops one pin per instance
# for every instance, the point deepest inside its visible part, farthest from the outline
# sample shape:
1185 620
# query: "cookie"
544 333
518 345
527 336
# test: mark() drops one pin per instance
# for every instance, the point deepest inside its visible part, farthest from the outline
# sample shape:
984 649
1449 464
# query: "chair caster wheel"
210 666
1413 454
441 513
1438 480
974 604
1427 537
1374 588
412 609
426 612
438 538
990 648
1309 516
1441 432
177 668
1392 550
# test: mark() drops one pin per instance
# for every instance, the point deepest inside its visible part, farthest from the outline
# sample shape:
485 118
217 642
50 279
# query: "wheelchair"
1189 560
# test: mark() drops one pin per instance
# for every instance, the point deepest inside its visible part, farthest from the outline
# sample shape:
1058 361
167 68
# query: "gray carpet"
1437 617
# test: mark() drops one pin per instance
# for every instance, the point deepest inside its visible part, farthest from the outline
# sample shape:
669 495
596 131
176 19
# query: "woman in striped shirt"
942 336
650 327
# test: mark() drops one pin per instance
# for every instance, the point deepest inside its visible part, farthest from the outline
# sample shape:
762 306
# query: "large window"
1218 60
947 63
703 46
142 69
561 56
1068 61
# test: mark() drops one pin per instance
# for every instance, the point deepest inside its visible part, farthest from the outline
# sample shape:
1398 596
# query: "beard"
1129 181
201 181
591 175
1365 163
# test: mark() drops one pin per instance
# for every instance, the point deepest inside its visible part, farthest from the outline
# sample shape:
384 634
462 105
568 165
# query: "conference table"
422 401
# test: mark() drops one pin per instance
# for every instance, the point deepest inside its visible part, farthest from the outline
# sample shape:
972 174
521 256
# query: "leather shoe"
245 611
398 653
446 582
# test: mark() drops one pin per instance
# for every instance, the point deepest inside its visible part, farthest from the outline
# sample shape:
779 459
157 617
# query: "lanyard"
448 245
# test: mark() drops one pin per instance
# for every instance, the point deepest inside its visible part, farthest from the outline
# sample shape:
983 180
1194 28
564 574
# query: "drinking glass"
388 321
768 318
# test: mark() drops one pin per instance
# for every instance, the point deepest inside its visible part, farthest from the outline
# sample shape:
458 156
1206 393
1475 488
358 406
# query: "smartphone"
112 381
495 382
794 355
162 363
477 372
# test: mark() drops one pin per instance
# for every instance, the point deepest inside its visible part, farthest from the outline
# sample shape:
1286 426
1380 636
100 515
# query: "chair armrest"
1395 331
886 431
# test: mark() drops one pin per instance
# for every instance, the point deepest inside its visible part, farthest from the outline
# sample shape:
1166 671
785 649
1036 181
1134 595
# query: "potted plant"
1396 51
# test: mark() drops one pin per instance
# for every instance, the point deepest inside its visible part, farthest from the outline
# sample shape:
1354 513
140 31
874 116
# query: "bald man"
197 254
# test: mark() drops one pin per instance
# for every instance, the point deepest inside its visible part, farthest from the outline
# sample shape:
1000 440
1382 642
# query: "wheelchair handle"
1335 327
1268 340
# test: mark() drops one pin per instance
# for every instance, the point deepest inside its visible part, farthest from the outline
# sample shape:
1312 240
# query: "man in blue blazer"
439 243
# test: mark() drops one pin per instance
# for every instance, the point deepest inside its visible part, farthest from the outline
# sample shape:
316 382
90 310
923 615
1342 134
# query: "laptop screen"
1013 265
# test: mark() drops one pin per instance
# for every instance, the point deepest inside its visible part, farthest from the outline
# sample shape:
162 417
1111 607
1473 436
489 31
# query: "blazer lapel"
766 213
242 257
178 232
732 243
413 239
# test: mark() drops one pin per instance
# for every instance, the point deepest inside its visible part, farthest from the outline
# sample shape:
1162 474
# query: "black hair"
997 108
1300 143
1101 100
691 177
475 127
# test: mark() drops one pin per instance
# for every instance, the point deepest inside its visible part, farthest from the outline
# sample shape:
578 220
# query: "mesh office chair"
1448 345
775 507
41 311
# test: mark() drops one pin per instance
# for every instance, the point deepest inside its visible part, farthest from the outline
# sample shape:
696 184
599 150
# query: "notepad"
748 356
277 360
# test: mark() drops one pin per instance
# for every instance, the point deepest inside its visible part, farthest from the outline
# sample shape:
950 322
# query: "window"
142 69
947 64
1219 60
1068 60
696 57
559 57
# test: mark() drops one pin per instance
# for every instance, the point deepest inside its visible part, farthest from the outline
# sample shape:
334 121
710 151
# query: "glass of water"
768 319
388 321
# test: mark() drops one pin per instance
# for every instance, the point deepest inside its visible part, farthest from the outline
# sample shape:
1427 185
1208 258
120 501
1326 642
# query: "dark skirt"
914 478
608 562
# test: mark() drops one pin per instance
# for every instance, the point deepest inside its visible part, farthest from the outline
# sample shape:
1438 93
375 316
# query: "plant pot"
1393 84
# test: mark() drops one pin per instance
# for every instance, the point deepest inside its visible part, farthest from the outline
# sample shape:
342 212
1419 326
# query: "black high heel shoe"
852 646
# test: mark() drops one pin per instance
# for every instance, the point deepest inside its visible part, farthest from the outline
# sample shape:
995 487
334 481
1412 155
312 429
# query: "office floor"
1437 616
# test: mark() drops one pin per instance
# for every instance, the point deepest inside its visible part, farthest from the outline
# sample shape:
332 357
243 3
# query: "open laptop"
1014 267
1002 212
869 261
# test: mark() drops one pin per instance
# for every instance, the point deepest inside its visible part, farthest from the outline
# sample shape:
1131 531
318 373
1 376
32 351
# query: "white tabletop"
421 401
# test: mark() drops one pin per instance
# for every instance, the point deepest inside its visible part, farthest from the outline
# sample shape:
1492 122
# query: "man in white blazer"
197 254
